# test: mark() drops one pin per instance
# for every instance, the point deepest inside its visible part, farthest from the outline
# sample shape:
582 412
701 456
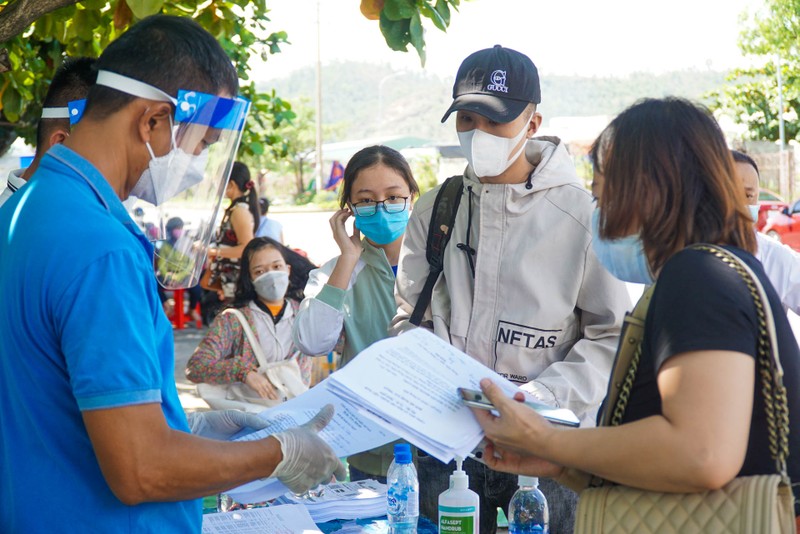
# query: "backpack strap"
443 218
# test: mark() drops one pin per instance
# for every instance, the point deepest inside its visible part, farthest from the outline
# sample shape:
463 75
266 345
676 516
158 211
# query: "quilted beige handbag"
760 504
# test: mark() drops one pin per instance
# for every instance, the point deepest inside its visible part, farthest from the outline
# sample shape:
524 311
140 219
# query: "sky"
562 37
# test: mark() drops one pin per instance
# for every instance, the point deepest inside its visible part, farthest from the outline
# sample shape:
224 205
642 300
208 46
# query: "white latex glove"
307 460
222 424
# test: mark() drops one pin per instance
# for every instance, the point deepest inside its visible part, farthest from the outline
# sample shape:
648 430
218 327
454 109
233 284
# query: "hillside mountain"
371 100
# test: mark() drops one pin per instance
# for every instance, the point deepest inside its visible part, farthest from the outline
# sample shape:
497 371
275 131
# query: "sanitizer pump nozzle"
459 506
459 479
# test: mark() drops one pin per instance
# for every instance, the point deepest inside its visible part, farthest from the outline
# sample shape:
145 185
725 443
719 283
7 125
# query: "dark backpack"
443 217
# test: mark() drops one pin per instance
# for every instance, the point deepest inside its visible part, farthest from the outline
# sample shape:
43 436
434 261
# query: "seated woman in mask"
351 297
267 298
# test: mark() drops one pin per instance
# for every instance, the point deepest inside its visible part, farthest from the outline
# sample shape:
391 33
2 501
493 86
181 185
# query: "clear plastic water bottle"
402 494
527 512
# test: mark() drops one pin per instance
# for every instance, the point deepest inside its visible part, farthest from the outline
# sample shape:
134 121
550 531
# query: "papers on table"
409 385
404 386
290 519
343 500
348 433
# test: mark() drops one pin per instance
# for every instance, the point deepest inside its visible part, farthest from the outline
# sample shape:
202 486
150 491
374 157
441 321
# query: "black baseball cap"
497 83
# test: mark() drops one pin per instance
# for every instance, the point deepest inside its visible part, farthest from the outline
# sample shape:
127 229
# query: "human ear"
57 137
153 120
534 124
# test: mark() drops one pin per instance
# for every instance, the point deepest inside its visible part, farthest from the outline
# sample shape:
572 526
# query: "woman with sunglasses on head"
696 412
352 295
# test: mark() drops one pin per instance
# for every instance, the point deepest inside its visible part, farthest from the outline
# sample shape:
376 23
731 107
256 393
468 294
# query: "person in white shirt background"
268 227
781 263
71 82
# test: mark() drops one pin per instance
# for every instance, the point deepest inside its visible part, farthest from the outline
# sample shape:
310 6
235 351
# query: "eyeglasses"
368 208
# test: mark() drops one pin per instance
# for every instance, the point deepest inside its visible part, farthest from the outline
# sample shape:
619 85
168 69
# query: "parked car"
785 225
769 204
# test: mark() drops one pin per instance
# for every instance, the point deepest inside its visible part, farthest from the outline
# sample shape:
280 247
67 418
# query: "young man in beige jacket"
522 291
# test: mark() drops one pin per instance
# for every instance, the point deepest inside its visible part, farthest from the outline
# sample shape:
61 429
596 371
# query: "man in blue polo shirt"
91 424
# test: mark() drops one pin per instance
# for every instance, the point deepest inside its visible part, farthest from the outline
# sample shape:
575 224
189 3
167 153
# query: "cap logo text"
498 84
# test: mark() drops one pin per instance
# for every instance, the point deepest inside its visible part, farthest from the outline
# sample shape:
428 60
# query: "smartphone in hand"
558 416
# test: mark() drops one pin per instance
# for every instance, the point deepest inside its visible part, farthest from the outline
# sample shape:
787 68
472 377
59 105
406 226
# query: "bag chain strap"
775 399
625 390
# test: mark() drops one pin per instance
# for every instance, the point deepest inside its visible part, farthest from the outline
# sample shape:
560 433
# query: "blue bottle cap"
402 453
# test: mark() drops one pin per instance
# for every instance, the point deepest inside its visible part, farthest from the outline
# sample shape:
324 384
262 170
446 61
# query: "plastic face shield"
207 129
206 133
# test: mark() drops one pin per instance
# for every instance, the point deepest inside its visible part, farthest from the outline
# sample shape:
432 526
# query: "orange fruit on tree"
371 9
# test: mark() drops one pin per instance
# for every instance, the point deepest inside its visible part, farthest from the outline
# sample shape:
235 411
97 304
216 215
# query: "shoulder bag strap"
768 362
630 341
623 373
251 337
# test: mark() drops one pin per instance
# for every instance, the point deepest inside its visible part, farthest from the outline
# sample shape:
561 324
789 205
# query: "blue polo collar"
84 171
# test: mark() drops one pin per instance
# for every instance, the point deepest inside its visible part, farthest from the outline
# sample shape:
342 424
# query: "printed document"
412 390
348 433
287 519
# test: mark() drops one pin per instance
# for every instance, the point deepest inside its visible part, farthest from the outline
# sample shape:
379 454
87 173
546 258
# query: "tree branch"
20 14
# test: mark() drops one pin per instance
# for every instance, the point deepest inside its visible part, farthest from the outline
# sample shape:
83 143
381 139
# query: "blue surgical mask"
624 258
383 227
753 211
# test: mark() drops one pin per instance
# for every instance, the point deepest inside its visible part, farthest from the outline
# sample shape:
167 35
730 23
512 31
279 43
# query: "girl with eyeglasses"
350 300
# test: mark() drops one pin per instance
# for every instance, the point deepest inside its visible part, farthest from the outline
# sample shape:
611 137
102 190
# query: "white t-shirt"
782 265
14 182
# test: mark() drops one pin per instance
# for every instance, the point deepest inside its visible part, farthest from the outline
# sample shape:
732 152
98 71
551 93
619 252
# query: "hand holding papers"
409 384
347 433
307 459
405 386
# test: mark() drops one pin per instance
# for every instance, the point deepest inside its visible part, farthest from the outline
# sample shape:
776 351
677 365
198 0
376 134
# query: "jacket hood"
552 163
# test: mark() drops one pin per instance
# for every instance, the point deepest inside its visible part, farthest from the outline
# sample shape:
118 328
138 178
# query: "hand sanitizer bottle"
402 494
459 507
527 511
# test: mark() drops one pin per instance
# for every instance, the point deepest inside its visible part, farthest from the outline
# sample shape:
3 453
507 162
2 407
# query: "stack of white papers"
344 500
409 385
348 433
276 520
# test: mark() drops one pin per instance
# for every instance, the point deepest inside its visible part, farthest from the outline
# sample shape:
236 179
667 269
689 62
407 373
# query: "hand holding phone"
559 416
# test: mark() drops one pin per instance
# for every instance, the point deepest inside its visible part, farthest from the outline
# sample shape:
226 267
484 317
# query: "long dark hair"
298 277
669 173
372 155
240 175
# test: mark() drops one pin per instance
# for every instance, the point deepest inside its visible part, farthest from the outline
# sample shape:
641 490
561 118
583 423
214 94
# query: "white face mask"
169 175
272 285
490 155
753 211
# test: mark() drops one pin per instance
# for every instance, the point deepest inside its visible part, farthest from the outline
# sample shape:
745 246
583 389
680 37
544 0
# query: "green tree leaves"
84 29
145 8
401 22
752 97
